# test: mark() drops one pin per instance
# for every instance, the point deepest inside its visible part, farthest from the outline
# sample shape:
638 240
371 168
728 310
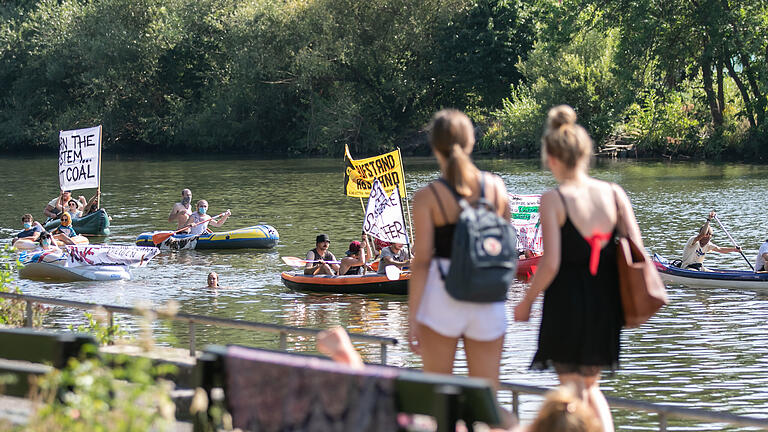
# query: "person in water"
699 245
201 216
318 256
213 280
32 229
182 210
354 262
64 232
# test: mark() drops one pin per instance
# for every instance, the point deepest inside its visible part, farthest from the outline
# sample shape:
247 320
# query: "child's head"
564 411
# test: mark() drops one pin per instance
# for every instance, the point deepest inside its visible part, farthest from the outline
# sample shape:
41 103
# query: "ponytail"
452 135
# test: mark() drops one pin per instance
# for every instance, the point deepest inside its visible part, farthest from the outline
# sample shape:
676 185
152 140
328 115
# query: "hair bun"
561 115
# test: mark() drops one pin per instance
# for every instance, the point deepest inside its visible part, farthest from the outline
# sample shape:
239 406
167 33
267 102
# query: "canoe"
83 262
714 278
24 244
372 283
254 237
96 223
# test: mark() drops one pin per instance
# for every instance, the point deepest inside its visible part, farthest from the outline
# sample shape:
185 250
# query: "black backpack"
484 252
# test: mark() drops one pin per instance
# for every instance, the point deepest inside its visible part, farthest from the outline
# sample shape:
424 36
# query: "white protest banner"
384 215
525 219
79 158
93 255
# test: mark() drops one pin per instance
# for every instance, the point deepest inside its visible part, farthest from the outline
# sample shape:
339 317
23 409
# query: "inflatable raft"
526 267
714 278
255 237
96 223
372 283
24 244
83 262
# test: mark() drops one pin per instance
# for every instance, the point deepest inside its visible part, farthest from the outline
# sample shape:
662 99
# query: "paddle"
298 262
163 236
734 243
393 272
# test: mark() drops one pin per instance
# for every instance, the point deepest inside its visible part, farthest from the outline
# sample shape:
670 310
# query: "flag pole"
98 188
405 192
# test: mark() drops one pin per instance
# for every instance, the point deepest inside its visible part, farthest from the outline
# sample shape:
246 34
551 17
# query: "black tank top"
443 234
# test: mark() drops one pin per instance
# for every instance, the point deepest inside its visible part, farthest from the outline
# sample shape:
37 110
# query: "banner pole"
98 188
367 243
405 192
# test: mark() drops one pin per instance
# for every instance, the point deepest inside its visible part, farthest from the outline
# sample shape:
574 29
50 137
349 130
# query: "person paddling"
699 245
762 257
201 216
318 257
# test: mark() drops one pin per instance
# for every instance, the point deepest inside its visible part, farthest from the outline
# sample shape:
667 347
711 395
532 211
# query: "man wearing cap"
354 262
318 256
60 204
699 245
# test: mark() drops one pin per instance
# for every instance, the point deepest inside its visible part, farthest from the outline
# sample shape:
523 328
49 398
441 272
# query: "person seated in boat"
700 244
182 210
393 255
47 241
201 216
59 205
73 209
92 205
64 232
354 263
318 256
762 258
32 229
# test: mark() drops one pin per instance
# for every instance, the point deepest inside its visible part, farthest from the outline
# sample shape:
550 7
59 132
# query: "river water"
707 349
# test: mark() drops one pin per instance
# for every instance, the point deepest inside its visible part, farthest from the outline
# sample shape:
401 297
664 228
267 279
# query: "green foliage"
103 332
664 126
89 395
14 312
579 74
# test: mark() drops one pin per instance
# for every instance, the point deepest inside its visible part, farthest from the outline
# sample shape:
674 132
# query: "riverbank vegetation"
304 77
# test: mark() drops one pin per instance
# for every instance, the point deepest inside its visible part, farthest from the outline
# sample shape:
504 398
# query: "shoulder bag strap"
621 228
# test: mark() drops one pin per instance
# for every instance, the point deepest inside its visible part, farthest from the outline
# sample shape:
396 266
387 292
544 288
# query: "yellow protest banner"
360 174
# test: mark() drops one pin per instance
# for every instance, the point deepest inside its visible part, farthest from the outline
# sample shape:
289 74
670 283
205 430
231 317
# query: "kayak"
372 283
96 223
254 237
83 262
714 278
24 244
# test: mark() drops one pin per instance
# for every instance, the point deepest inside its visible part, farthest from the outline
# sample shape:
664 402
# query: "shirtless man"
60 204
182 210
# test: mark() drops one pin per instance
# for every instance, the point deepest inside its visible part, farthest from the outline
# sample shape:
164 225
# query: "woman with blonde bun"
580 219
436 320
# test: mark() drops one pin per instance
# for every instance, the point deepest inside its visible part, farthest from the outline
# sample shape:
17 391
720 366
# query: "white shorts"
454 318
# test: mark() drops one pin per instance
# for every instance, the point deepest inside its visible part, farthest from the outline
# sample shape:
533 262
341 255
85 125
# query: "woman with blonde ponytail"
436 320
580 219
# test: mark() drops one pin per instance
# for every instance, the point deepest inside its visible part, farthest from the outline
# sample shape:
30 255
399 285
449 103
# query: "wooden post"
405 192
98 188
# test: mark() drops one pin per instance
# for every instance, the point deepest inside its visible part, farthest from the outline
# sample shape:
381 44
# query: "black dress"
582 316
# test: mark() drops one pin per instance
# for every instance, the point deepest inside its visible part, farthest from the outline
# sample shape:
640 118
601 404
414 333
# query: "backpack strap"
439 202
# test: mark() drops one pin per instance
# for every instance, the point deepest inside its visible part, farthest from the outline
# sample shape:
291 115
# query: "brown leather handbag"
642 291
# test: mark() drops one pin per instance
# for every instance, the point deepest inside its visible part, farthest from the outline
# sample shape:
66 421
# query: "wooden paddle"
163 236
734 243
298 262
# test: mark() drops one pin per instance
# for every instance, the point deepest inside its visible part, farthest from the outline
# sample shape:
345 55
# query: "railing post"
110 329
283 341
192 350
662 422
383 353
516 403
29 321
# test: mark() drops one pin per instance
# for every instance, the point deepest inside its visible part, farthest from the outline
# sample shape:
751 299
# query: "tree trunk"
720 93
759 99
743 90
706 71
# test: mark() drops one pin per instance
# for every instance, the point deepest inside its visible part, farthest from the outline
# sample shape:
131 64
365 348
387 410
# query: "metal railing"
192 321
664 411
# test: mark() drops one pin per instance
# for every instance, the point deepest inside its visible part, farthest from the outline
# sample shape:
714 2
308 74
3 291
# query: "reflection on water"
707 349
